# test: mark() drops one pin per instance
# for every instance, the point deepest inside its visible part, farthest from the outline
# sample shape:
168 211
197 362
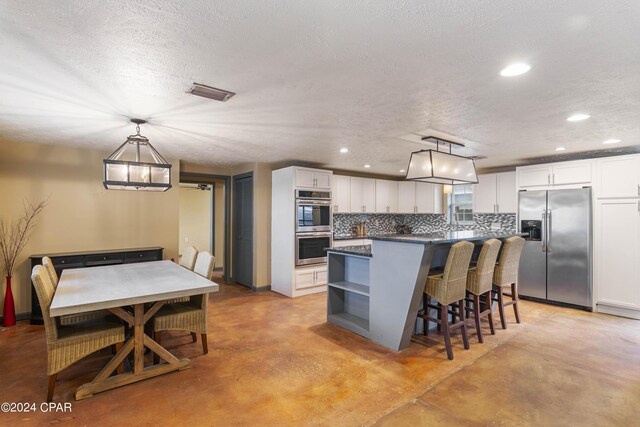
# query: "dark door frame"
205 178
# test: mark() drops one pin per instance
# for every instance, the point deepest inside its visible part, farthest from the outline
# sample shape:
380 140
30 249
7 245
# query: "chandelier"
148 172
440 167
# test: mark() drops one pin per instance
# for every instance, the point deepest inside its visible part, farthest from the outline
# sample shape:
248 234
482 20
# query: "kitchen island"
376 291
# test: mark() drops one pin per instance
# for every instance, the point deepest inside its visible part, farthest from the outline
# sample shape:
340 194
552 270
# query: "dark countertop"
359 250
356 237
447 236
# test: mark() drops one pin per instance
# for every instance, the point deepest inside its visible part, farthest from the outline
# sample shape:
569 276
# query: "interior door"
569 246
243 229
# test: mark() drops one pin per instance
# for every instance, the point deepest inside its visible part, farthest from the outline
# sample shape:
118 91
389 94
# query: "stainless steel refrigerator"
556 259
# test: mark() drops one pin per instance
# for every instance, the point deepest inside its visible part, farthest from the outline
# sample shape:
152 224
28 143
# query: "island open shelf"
348 292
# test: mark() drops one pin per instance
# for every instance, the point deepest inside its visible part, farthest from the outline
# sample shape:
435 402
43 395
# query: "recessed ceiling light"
367 166
578 117
515 69
402 170
611 141
344 150
560 149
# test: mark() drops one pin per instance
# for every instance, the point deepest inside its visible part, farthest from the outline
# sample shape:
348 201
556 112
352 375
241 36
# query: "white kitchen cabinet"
363 195
310 277
428 198
507 200
534 176
563 174
386 196
617 256
406 197
495 193
340 194
313 178
419 197
619 177
485 194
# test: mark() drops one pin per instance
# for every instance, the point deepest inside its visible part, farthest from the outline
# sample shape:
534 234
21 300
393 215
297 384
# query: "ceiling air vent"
210 92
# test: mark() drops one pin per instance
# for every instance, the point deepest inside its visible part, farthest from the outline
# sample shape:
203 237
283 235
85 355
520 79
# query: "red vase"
9 313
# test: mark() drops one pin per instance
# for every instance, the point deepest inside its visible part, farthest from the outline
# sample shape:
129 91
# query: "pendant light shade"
439 167
148 172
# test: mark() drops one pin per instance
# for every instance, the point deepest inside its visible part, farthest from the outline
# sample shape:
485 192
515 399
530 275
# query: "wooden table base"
138 341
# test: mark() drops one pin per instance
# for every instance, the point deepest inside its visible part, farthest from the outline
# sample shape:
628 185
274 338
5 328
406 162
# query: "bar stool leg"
501 307
444 316
490 315
476 315
426 300
514 297
463 326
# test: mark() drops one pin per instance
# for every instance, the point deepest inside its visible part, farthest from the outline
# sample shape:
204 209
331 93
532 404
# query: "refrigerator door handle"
549 230
544 231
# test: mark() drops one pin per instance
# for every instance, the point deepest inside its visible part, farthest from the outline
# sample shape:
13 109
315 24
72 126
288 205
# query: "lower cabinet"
310 277
617 257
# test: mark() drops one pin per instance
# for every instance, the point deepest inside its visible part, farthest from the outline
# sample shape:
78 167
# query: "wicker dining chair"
188 257
71 318
506 275
449 288
188 316
204 264
68 344
480 285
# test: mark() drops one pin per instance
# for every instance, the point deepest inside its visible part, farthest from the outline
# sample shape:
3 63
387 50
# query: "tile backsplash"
418 223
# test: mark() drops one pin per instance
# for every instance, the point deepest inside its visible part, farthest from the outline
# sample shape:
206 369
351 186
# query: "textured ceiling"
314 76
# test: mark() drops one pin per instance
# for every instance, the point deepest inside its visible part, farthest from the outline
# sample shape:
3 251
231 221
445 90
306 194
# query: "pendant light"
440 167
148 172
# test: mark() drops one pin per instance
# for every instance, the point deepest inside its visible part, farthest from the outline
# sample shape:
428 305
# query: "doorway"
243 229
204 217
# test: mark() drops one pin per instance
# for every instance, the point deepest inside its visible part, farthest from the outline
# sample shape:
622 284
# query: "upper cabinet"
363 195
495 193
619 177
313 178
341 194
386 196
419 197
574 173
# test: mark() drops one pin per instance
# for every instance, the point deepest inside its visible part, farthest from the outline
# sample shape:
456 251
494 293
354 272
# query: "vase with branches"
14 237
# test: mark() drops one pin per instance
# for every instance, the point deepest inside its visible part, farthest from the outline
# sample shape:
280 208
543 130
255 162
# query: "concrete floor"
275 361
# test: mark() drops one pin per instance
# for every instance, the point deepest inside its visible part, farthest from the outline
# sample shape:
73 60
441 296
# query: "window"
461 204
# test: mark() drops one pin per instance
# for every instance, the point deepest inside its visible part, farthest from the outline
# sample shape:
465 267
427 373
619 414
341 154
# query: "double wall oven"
313 226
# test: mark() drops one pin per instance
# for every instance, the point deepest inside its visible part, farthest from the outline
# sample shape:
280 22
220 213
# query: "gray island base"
376 292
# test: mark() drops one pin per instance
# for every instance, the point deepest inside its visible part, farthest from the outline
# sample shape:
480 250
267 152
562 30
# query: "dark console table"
62 261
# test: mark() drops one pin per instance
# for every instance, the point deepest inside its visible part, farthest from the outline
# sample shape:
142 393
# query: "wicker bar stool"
480 284
448 289
506 275
68 344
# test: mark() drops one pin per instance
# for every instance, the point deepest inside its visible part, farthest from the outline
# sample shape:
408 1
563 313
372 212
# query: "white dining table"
135 285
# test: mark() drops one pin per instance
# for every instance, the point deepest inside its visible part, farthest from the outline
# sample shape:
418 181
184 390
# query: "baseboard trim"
19 317
261 288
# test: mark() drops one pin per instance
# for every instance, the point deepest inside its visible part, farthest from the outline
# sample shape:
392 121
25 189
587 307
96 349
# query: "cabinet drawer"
104 259
142 256
68 262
